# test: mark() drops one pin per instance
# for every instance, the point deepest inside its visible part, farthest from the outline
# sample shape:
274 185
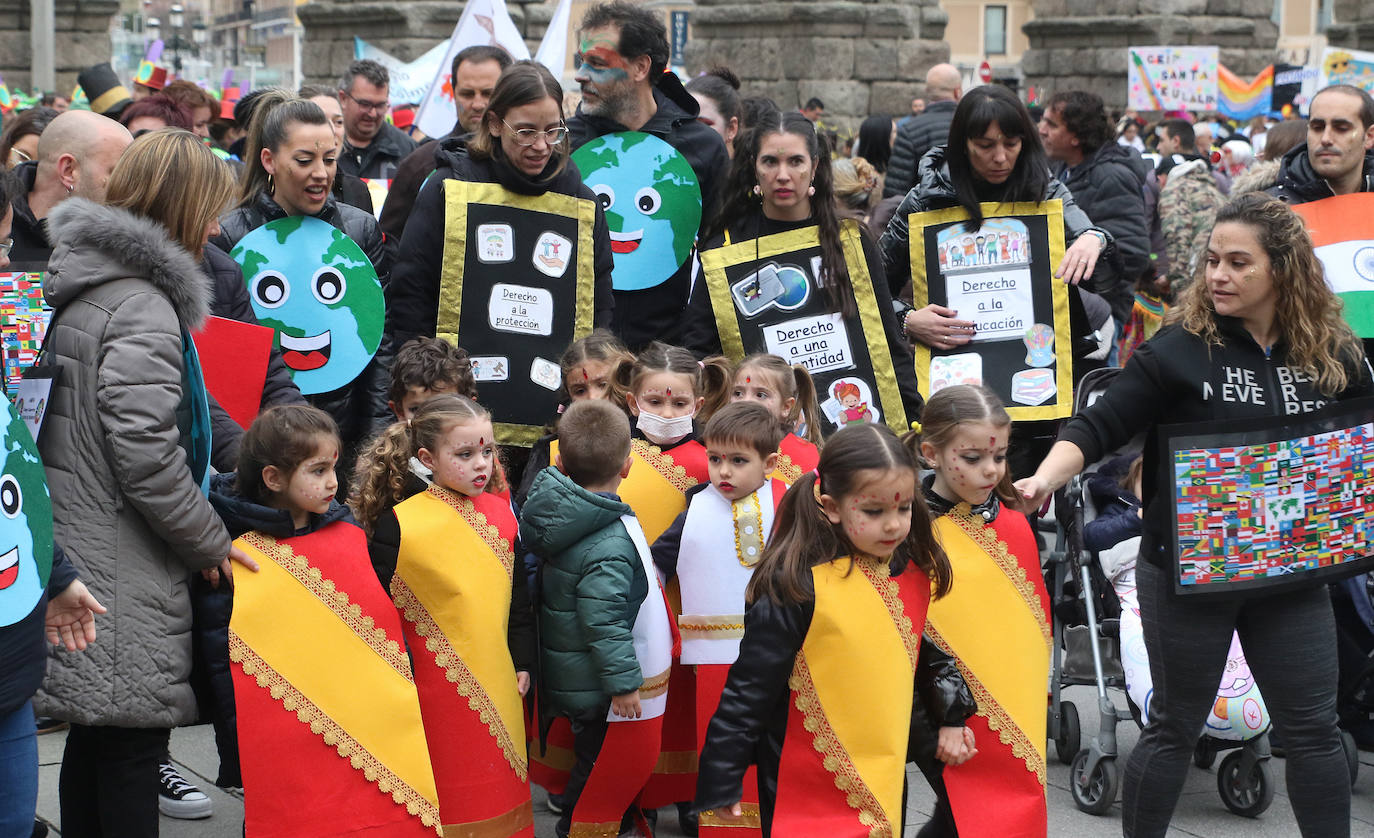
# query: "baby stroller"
1092 625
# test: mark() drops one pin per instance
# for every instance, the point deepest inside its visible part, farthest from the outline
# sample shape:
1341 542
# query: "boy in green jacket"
606 634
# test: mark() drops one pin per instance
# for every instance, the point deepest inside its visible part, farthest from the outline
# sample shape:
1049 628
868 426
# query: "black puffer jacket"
1300 183
31 245
1110 188
212 678
1176 377
231 302
414 298
360 408
379 158
923 132
655 313
409 176
751 721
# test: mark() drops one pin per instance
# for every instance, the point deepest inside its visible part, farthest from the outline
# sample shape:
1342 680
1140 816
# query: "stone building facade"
83 39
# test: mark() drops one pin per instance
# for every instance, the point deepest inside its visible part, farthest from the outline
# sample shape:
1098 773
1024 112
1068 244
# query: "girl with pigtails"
834 688
448 557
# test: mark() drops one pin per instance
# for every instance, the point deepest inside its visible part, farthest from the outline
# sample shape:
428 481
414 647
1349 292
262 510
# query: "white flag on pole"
482 22
553 50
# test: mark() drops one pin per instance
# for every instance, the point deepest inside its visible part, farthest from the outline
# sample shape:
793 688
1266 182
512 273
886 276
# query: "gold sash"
655 488
853 683
453 583
992 621
295 632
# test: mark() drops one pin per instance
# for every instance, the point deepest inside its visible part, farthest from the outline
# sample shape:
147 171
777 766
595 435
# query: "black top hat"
104 90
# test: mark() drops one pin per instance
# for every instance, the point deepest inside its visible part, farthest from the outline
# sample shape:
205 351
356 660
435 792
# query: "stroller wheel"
1067 742
1247 796
1204 754
1095 793
1352 755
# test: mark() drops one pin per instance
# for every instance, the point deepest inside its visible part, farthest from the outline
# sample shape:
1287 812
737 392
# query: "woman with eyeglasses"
534 270
289 163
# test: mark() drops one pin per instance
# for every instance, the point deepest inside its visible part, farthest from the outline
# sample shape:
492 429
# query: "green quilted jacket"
593 583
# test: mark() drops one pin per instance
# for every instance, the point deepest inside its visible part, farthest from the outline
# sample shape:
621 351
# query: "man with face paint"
622 55
474 75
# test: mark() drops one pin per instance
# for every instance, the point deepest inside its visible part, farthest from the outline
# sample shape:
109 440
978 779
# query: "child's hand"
955 745
522 682
626 706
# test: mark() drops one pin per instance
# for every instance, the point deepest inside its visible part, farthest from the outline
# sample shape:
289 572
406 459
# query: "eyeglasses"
529 136
365 105
6 246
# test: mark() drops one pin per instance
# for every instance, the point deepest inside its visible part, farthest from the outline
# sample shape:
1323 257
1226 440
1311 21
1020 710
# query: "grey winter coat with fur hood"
125 506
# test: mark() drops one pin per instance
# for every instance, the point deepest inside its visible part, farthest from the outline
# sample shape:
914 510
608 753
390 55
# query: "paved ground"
1200 812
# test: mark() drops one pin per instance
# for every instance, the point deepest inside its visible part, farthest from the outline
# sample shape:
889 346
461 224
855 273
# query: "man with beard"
372 146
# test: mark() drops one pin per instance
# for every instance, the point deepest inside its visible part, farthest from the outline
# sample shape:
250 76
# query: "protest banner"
1172 78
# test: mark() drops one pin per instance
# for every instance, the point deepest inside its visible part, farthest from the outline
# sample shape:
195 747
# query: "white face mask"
662 431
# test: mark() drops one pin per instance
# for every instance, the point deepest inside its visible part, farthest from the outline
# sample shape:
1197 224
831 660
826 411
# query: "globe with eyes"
652 202
26 541
318 290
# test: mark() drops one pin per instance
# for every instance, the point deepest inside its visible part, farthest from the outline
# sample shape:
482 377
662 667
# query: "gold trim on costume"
336 600
752 536
499 826
655 686
606 829
790 471
836 759
986 538
751 818
880 575
874 335
999 721
710 626
490 533
676 762
663 463
458 674
292 700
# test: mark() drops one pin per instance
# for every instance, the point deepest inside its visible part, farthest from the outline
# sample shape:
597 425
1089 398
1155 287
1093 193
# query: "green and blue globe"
25 521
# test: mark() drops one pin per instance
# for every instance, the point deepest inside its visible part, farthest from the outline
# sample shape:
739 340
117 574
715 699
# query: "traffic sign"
985 73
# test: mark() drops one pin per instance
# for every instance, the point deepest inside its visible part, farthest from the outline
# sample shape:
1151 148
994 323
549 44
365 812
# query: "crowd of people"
631 490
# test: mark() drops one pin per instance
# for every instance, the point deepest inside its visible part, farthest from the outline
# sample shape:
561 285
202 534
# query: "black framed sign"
999 276
1268 503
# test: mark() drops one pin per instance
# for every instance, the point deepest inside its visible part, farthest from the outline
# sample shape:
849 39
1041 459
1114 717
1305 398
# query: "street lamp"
177 16
153 27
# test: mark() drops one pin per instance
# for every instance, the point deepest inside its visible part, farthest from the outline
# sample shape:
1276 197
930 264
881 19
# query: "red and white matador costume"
330 736
721 543
994 621
796 456
630 750
656 490
452 587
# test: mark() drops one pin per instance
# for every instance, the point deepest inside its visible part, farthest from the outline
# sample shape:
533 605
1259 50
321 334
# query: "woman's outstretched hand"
1032 492
1080 259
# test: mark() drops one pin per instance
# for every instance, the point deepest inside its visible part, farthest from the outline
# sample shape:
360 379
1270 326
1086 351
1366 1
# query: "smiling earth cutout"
316 287
25 522
652 201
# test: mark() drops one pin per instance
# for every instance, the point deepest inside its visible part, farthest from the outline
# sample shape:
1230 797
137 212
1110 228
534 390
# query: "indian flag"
1342 230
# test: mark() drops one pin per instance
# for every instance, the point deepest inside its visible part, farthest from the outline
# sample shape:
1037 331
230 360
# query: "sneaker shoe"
178 798
44 724
555 803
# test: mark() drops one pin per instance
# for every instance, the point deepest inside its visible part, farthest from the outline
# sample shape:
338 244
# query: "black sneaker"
555 803
44 724
178 798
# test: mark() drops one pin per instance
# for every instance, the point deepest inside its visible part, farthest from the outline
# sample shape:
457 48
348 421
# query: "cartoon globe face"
319 291
25 521
652 201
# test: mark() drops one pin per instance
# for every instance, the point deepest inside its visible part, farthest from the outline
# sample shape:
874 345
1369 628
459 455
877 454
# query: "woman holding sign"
994 156
315 268
785 274
1261 336
507 253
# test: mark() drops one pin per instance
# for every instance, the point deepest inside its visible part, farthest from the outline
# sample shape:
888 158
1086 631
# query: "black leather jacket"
751 720
360 408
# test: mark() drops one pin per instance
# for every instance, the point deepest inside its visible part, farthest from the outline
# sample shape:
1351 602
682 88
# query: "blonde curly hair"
1307 311
380 478
856 184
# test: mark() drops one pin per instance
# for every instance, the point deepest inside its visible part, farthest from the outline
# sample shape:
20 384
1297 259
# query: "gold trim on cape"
663 463
490 533
751 818
982 534
459 675
834 756
336 600
307 712
880 575
498 826
790 471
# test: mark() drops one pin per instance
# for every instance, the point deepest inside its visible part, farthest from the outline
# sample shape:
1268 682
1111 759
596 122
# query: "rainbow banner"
1241 100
